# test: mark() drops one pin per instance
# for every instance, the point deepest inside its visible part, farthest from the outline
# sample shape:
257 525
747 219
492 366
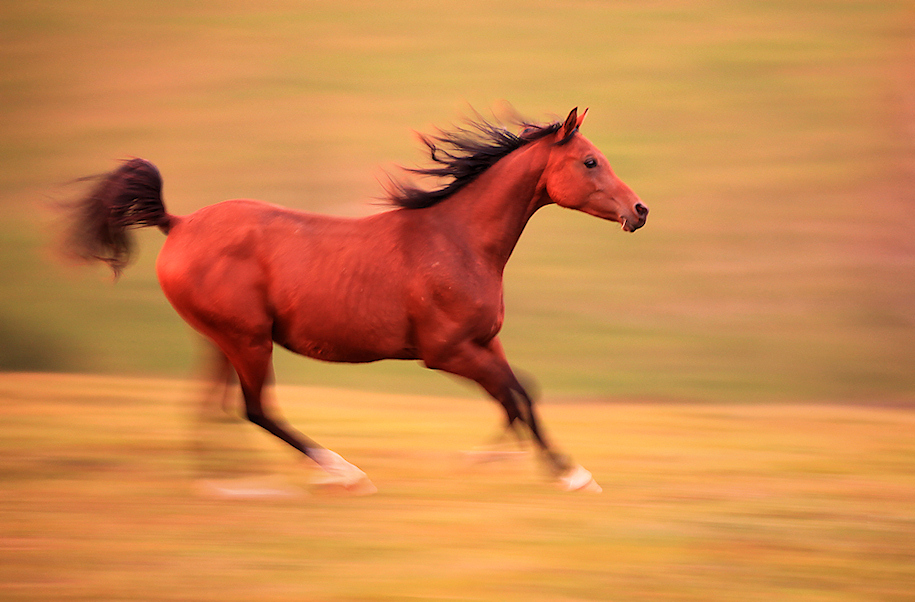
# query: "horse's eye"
590 163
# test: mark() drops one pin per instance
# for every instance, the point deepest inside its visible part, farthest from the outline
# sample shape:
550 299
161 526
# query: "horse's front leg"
487 366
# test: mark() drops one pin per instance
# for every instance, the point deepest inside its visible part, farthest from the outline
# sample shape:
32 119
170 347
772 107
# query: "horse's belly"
326 337
335 352
338 351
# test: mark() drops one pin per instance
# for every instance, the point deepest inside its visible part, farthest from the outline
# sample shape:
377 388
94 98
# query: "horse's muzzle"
637 221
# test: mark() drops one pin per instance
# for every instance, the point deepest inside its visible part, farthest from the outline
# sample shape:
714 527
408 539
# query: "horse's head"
578 176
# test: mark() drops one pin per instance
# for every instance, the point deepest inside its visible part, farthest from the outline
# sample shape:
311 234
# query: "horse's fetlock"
256 417
557 462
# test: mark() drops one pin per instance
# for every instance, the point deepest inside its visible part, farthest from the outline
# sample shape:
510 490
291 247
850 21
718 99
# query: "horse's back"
239 231
323 286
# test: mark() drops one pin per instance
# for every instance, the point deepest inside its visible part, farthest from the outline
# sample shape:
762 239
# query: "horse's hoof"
344 486
341 476
578 479
263 488
362 487
334 486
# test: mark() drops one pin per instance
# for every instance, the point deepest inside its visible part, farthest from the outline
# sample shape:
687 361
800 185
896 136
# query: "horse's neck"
494 209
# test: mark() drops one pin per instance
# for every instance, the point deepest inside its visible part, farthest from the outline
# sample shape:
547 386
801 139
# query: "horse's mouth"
630 226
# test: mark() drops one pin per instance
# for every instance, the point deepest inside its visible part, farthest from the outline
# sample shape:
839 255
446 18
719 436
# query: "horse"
422 280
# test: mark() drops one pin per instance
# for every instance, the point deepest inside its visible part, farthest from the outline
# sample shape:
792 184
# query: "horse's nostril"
641 209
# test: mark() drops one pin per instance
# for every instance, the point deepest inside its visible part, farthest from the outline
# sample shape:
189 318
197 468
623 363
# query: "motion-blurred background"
774 282
773 142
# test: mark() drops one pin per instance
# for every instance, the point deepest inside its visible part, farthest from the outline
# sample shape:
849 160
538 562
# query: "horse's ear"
580 119
570 125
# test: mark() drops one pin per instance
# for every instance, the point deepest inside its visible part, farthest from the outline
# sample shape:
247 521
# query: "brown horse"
420 282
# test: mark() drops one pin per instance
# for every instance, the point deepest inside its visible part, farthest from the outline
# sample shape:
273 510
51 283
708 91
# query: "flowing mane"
460 156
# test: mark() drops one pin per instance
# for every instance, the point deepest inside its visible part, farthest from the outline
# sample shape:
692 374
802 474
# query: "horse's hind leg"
252 364
221 397
254 367
220 438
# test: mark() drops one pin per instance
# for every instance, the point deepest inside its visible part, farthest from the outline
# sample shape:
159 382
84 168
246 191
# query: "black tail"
128 197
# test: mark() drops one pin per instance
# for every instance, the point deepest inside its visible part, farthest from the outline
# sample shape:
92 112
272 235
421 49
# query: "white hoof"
340 474
246 488
579 479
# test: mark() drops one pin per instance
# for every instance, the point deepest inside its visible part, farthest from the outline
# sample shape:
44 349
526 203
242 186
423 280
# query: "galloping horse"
422 281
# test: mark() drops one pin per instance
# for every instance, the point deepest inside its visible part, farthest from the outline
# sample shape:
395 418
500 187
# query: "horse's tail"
128 197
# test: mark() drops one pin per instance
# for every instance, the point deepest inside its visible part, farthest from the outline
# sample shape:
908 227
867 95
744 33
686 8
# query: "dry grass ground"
102 499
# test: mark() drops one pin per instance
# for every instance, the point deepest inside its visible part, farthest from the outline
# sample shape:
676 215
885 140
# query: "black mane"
461 156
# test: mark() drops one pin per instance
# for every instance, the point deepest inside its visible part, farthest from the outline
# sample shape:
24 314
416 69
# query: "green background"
772 141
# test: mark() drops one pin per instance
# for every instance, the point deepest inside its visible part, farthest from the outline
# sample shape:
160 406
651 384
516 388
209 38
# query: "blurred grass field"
773 143
702 502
